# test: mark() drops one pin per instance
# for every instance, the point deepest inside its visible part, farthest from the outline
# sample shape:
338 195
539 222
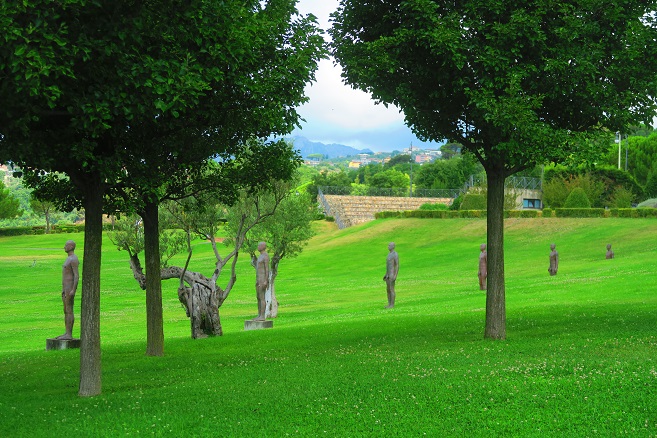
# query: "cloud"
333 102
337 113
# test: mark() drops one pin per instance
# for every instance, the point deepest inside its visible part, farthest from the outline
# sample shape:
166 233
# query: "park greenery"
124 114
579 359
131 108
518 85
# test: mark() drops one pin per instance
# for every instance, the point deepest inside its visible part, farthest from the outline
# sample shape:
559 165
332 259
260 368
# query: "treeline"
446 173
604 185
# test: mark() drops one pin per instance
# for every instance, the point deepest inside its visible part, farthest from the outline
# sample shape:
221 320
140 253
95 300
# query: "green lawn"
580 358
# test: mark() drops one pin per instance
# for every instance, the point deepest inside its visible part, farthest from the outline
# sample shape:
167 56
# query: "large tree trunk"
495 295
90 360
154 320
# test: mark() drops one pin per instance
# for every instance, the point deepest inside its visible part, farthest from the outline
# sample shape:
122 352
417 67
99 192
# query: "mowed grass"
580 358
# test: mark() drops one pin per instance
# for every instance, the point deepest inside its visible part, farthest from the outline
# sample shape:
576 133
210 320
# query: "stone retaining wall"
358 209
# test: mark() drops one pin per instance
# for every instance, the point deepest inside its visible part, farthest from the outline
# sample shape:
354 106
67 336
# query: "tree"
398 159
201 295
116 101
9 205
392 179
43 208
447 174
641 156
450 150
516 84
286 232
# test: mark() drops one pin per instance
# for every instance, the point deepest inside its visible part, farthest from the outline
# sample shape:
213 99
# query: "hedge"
41 229
558 212
634 212
521 213
580 212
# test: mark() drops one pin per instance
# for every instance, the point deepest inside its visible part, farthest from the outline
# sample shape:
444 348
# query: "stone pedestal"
258 325
62 344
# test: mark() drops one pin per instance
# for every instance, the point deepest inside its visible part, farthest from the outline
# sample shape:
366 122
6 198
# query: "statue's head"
609 247
69 246
482 246
262 246
391 246
552 246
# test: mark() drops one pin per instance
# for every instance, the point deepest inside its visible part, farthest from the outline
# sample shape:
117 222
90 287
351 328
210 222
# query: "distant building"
354 164
311 161
423 158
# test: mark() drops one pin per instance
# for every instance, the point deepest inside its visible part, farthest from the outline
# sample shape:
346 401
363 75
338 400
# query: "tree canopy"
9 205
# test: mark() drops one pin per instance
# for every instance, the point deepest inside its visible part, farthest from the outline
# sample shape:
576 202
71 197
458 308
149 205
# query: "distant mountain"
307 147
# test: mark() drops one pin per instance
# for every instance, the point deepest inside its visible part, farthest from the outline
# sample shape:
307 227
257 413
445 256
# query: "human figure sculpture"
70 278
610 253
262 280
483 267
392 268
554 260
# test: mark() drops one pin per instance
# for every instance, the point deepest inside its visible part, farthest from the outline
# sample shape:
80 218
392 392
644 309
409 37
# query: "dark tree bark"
90 357
495 294
154 319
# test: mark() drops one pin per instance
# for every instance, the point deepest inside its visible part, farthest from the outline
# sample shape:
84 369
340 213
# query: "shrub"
520 213
646 212
577 199
472 214
547 212
433 207
473 201
16 231
359 189
456 203
580 212
622 198
387 214
651 185
555 193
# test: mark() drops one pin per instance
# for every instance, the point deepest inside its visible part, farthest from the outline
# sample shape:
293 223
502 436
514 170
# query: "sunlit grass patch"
579 359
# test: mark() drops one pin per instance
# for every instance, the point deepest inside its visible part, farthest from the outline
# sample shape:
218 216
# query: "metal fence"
513 182
396 192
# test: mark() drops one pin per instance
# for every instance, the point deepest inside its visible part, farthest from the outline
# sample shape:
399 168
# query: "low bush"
387 214
472 214
520 213
547 212
577 199
634 212
473 201
579 212
433 207
16 231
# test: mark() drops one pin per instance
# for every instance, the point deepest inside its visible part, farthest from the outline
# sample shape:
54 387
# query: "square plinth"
257 325
62 344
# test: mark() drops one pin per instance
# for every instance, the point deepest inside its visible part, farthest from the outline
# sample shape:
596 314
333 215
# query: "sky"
336 113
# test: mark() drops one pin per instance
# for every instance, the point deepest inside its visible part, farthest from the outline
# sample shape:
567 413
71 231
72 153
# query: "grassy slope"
580 358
